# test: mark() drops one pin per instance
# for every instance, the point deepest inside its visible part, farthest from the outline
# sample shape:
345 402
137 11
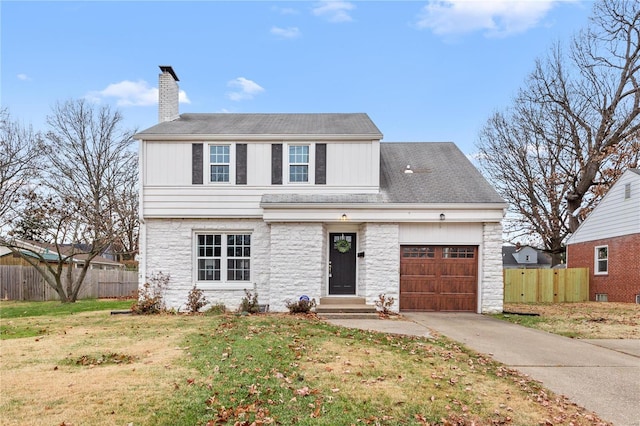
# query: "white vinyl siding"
167 164
441 233
615 215
353 164
258 164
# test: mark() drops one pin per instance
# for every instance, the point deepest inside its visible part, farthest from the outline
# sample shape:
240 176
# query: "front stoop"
345 308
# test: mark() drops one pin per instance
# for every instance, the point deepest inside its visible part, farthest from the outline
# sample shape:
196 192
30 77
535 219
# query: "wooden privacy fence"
546 285
25 283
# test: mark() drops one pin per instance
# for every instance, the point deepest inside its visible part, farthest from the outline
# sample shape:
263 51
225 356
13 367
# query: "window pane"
602 253
602 266
208 266
219 173
238 252
298 173
299 154
208 269
219 154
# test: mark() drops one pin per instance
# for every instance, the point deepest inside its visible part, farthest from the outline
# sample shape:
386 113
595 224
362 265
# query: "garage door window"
457 252
418 252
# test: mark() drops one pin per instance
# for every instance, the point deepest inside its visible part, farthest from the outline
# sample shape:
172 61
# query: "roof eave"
255 137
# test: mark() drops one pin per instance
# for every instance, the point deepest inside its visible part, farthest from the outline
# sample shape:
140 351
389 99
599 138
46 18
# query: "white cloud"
23 77
132 93
334 10
246 89
497 18
291 32
285 10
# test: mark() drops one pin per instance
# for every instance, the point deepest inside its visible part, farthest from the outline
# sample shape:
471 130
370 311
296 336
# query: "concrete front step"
348 315
345 308
342 300
359 308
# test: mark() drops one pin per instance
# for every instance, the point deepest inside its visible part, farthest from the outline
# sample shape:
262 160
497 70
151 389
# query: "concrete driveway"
600 375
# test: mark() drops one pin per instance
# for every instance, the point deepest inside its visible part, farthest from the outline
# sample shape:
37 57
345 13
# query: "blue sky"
422 70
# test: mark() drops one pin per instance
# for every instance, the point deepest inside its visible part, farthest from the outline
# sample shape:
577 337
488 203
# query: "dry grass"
587 320
386 378
378 377
40 386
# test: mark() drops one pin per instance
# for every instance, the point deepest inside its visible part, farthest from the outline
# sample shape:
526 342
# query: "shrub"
217 309
196 300
151 295
249 303
301 306
384 303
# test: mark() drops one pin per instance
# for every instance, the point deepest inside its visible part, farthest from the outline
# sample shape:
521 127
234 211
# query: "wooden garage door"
438 278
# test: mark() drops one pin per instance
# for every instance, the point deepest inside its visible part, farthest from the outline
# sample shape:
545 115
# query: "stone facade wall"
172 251
622 282
379 269
298 262
491 287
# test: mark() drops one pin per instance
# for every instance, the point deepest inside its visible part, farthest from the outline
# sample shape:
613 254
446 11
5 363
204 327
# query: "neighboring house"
608 243
524 257
313 204
49 254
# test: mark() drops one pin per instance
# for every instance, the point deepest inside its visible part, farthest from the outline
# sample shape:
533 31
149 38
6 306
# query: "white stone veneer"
290 259
298 262
170 249
492 290
379 269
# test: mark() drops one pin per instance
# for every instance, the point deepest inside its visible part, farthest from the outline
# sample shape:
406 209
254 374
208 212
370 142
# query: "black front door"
342 263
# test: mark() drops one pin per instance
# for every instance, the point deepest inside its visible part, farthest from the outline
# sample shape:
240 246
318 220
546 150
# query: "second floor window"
298 163
219 160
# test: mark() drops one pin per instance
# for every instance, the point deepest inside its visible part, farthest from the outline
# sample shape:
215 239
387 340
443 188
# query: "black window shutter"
241 164
276 164
321 164
196 164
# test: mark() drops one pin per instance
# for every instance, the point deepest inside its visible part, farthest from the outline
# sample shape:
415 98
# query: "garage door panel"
457 303
418 285
438 278
458 286
422 303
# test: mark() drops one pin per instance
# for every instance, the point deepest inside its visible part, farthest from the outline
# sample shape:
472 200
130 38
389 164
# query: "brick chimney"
168 94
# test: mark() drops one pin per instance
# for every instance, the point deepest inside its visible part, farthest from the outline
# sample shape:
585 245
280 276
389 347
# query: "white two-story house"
287 205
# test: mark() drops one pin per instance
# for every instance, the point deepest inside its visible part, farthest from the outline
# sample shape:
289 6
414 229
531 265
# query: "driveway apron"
602 376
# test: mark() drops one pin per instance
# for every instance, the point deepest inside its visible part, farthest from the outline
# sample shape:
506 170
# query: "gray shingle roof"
442 174
267 124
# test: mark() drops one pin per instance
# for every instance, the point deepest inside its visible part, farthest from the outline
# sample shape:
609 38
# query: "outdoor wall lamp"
344 217
441 216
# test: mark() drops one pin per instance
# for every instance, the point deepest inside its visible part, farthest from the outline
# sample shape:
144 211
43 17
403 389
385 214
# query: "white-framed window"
602 297
223 257
219 163
298 160
601 260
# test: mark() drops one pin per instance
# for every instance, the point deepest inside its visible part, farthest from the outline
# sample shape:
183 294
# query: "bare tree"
87 166
20 148
125 244
571 131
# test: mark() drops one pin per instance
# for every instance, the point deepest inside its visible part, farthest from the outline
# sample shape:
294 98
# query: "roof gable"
615 214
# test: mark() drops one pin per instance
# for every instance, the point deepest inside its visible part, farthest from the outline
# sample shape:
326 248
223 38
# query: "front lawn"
96 369
9 310
586 320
